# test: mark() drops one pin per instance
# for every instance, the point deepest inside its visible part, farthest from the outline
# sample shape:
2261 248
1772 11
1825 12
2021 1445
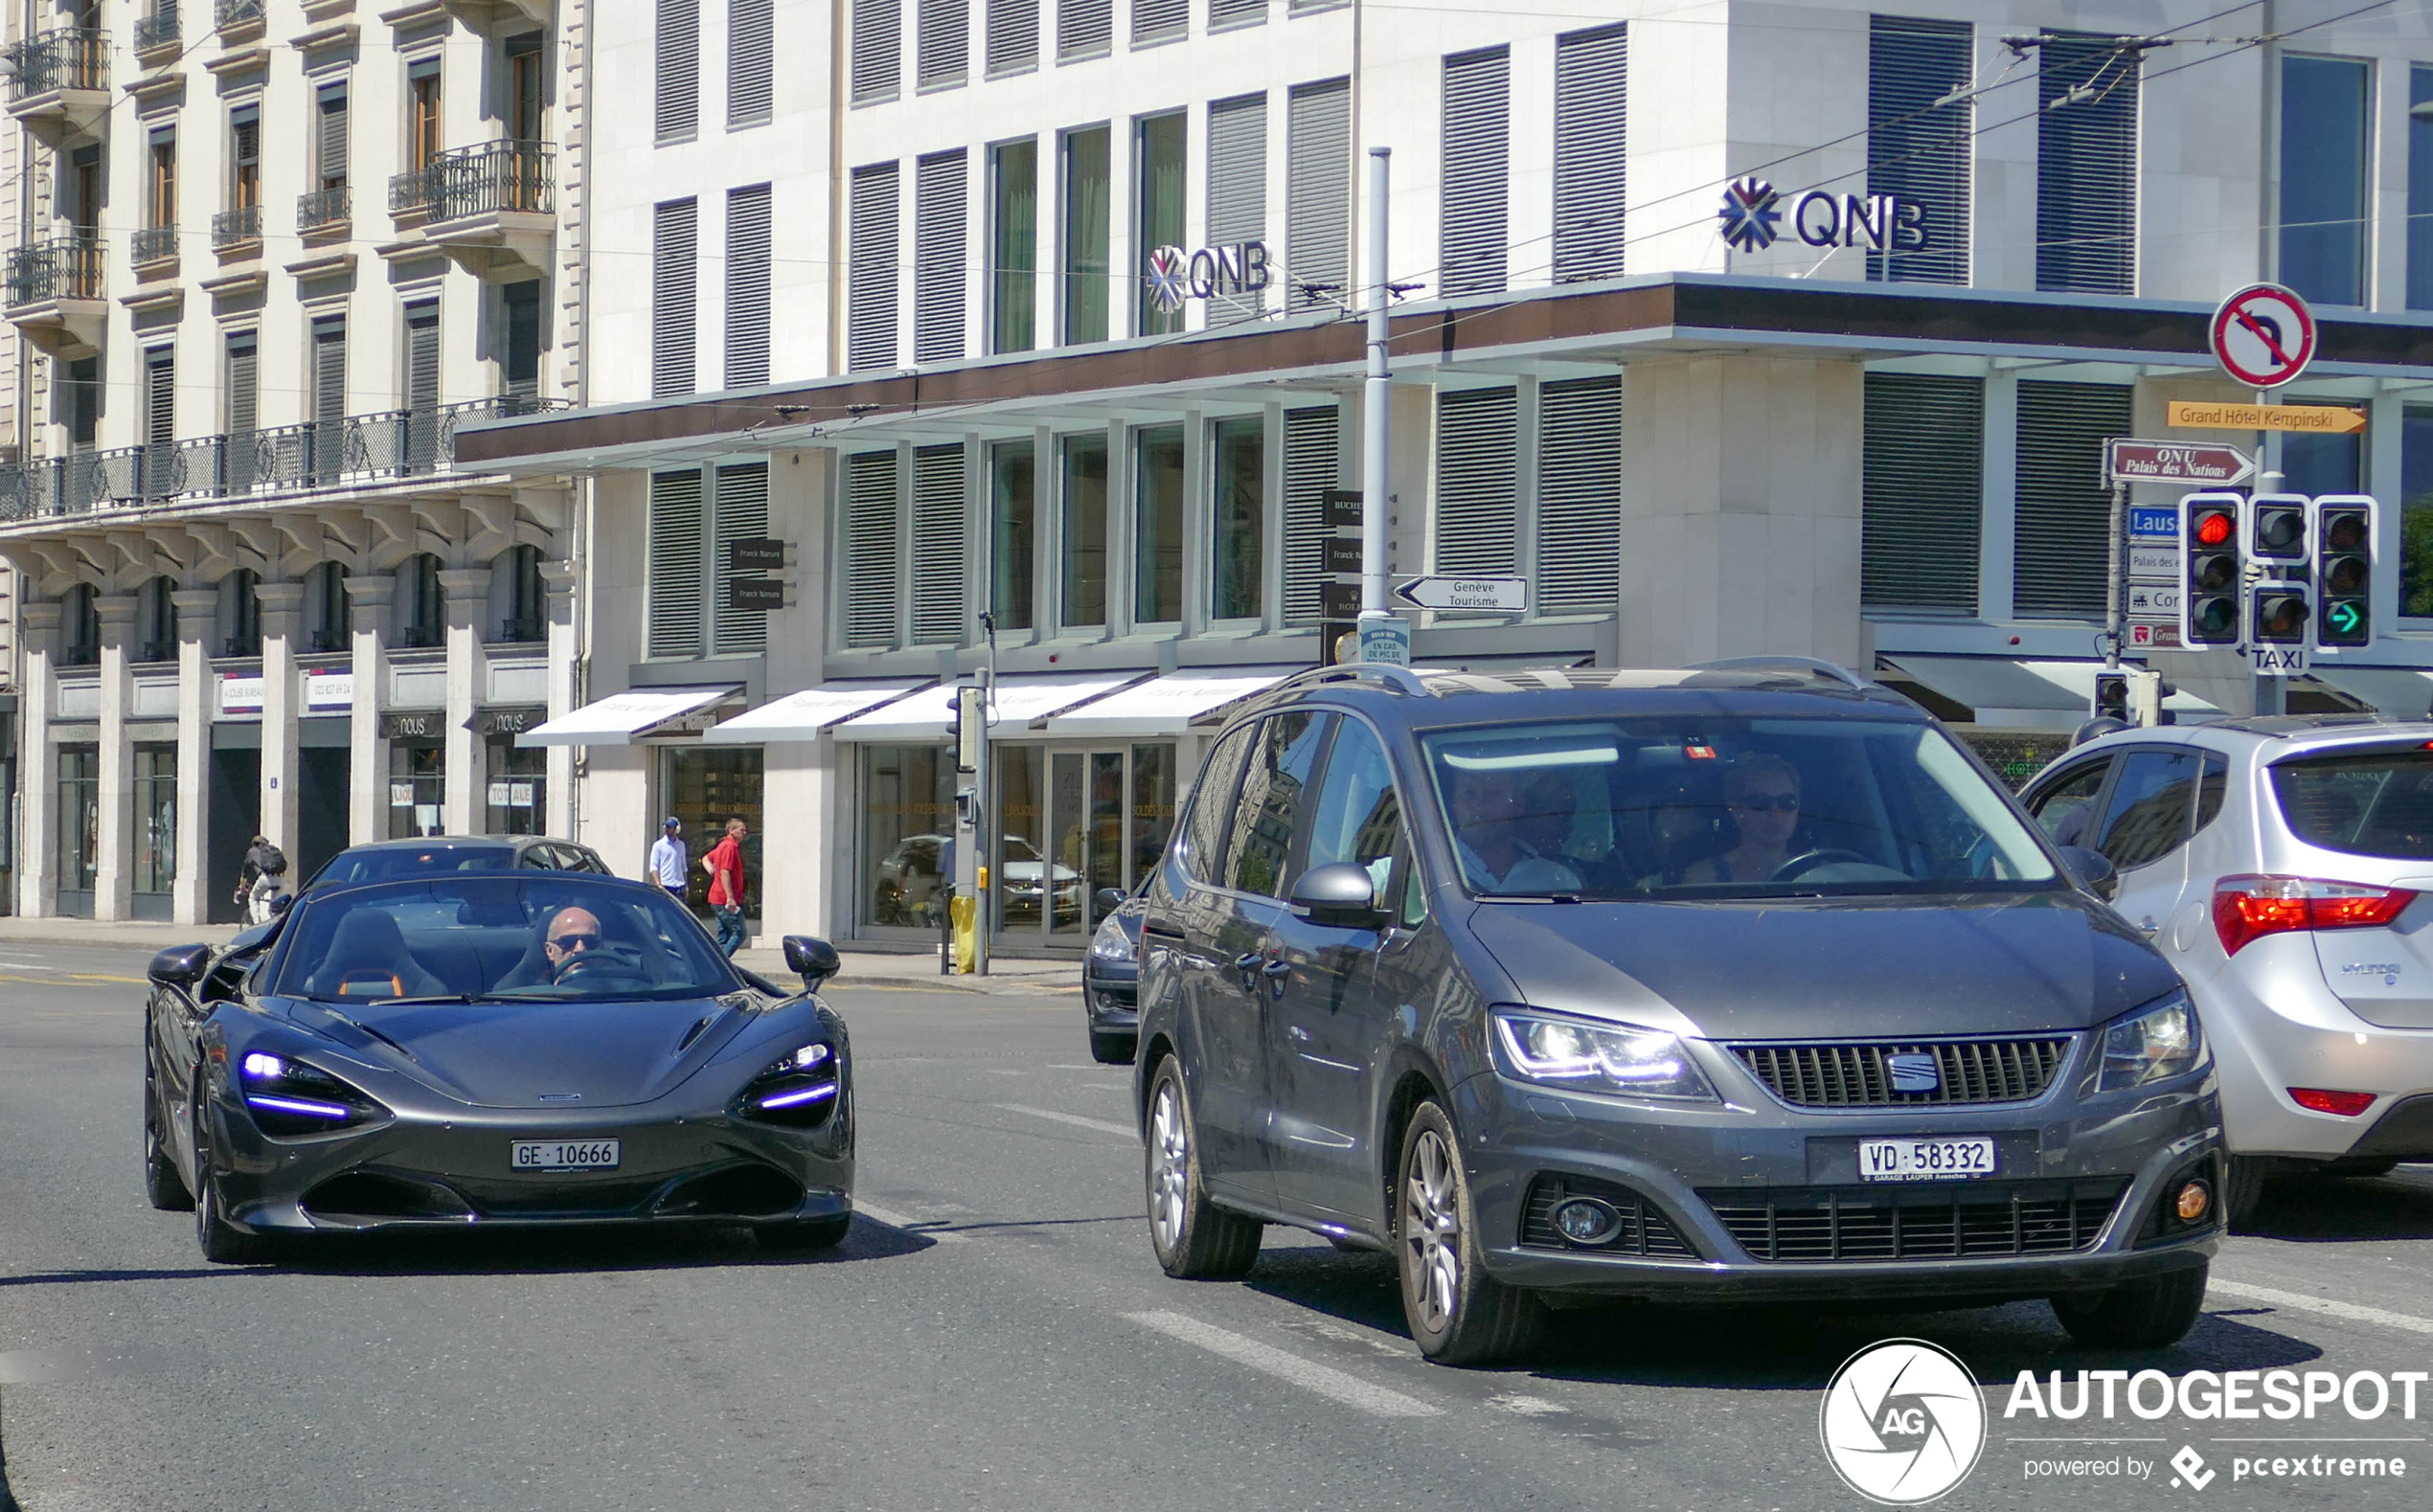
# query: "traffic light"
2112 696
2209 539
2344 571
2280 606
2275 534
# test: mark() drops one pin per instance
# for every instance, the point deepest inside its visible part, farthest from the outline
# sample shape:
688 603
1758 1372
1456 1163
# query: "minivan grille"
1861 1076
1980 1218
1643 1229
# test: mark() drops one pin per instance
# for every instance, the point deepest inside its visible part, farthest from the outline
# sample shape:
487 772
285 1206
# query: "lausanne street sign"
2212 466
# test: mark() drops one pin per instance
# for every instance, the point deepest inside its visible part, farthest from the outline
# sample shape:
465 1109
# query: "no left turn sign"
2263 335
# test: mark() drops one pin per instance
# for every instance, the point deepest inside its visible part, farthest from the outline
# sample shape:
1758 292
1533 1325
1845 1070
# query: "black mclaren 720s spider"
487 1050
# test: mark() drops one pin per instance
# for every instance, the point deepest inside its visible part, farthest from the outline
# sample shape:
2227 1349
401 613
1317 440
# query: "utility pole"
1374 395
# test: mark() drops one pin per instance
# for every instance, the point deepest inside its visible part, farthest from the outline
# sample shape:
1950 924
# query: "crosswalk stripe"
1325 1380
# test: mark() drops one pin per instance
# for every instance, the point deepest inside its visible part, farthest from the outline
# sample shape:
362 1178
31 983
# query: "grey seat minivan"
1744 981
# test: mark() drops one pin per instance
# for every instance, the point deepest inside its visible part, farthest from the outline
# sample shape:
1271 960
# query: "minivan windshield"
2362 803
1692 806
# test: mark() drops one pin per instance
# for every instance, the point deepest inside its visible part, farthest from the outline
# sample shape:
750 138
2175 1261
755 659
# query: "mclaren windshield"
546 937
1698 807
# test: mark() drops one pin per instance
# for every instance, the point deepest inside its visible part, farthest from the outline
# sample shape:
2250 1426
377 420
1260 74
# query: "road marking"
1102 1125
1526 1406
2302 1302
1325 1380
89 976
910 1224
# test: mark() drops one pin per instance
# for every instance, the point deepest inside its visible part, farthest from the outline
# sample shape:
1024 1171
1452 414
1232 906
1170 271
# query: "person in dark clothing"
259 880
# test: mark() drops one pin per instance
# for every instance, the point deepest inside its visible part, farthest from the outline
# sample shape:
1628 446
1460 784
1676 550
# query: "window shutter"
879 42
1226 14
1013 36
938 555
332 144
1918 150
740 512
1311 466
672 260
942 53
940 188
1579 495
2086 167
747 286
160 397
751 61
673 576
1922 491
870 549
1236 188
1318 192
422 358
1591 75
329 368
2063 511
1084 28
676 103
1477 482
870 325
1159 20
1477 141
244 386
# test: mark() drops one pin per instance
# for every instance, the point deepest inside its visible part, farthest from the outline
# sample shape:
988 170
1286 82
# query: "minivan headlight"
1622 1059
2157 1043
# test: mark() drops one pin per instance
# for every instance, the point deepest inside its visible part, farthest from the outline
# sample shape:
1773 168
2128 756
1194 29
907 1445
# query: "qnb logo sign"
1175 274
1902 1422
1753 212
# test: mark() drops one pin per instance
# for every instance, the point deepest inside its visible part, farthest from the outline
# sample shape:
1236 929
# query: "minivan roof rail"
1399 678
1809 666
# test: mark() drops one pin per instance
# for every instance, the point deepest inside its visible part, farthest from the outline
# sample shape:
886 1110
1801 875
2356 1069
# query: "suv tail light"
2347 1104
2247 907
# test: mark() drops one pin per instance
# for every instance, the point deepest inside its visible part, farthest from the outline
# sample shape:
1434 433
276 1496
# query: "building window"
2063 509
527 88
869 326
939 592
1591 115
2313 465
421 112
1237 191
942 56
751 63
523 598
871 534
2421 189
420 603
1013 36
1084 471
329 141
156 621
2322 178
940 195
519 777
325 608
1156 21
1014 245
1318 193
674 239
1313 464
1920 146
241 613
1921 494
1014 518
244 166
739 511
417 787
79 402
676 71
522 314
241 380
1225 15
747 286
1472 213
1084 28
1157 525
907 811
1239 473
2416 511
160 199
879 50
690 547
1578 536
79 627
1158 166
2086 166
1087 202
1477 482
160 421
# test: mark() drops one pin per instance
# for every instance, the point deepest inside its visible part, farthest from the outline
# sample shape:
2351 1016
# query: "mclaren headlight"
1618 1059
798 1088
2157 1043
288 1098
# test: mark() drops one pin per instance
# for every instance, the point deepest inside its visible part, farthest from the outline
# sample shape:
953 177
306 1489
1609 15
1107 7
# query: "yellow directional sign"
2314 419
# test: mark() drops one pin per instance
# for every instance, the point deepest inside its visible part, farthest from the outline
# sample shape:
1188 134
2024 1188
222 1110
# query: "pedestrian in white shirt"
669 858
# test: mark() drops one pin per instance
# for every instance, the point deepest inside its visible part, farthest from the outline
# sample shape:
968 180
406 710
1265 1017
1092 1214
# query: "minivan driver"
1763 795
1487 830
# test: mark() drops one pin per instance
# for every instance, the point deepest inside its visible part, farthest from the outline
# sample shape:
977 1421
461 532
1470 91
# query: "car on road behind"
1730 984
2285 866
1110 976
437 854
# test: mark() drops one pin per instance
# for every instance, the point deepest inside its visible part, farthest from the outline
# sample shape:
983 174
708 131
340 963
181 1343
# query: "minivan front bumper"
2075 1204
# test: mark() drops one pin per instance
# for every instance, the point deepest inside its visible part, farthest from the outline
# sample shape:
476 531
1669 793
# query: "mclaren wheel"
1194 1239
1459 1315
162 1184
222 1242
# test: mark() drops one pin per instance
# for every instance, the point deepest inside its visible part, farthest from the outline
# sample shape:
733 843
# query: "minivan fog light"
2194 1198
1585 1220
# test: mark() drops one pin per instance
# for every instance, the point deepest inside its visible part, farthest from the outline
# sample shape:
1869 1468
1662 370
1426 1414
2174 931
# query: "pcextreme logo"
1902 1422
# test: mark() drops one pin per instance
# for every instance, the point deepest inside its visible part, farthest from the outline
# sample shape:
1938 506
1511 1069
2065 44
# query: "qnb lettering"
2280 1395
1242 268
1877 222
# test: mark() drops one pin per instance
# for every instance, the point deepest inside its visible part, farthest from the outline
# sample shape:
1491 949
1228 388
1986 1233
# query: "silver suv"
2281 863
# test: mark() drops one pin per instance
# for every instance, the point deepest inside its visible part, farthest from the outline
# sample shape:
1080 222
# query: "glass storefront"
1072 824
518 796
155 826
908 817
705 787
79 832
418 788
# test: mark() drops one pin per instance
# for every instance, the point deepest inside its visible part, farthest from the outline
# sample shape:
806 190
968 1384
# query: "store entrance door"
1075 824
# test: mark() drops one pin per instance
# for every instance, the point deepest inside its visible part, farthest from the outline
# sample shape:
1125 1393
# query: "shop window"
418 788
1921 492
2323 177
1473 205
325 608
155 819
1013 505
420 603
2062 508
869 281
1087 187
79 832
1084 473
1158 153
1021 866
1318 192
1157 525
156 621
1920 140
2086 166
1014 245
1152 807
241 613
907 819
79 627
705 789
522 598
1237 191
517 801
1313 464
1238 451
1591 117
939 195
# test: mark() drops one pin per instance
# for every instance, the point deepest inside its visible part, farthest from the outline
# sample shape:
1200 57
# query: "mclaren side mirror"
2094 870
1339 895
180 965
811 958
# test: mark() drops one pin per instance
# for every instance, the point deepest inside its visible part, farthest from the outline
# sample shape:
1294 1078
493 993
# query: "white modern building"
263 258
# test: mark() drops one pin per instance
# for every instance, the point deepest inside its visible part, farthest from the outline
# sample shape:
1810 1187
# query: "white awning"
2399 691
920 718
2077 680
1169 705
802 715
616 719
2045 695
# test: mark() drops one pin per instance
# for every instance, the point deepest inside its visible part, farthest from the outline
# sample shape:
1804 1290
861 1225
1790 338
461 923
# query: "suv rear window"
2368 803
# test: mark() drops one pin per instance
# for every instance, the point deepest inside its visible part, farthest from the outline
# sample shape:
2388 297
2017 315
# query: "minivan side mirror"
180 965
1339 895
811 958
2094 870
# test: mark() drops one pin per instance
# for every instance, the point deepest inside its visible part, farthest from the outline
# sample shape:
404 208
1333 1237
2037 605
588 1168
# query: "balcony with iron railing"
59 81
156 29
263 466
238 16
323 209
152 245
493 207
64 269
234 228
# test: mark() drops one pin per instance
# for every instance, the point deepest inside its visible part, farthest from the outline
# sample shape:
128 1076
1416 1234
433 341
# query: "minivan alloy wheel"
1195 1240
1458 1313
1170 1157
1432 1228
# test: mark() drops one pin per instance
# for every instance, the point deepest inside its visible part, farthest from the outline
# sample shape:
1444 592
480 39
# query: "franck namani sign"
1753 214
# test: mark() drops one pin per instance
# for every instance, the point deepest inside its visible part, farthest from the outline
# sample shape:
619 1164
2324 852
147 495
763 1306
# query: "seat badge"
564 1097
1913 1073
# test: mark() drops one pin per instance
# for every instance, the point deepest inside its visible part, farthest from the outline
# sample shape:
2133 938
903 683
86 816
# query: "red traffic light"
2212 527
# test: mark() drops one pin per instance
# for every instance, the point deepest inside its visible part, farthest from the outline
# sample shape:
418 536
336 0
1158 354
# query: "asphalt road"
995 1335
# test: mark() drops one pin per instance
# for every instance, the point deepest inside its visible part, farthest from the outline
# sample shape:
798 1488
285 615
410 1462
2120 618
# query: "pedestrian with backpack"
260 880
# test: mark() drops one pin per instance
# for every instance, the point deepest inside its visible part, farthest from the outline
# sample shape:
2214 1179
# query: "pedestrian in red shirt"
725 866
